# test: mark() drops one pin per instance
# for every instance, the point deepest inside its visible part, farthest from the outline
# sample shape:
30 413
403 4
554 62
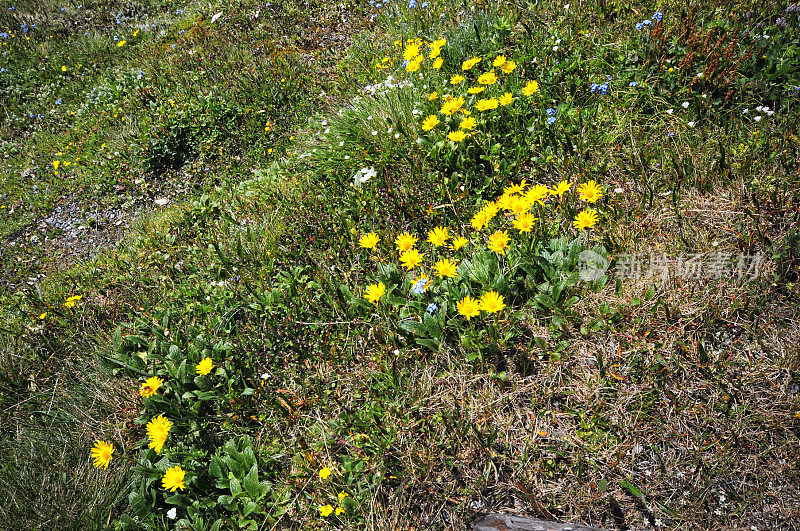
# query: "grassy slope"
636 408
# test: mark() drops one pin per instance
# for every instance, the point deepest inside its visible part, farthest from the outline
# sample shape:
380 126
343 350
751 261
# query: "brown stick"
504 522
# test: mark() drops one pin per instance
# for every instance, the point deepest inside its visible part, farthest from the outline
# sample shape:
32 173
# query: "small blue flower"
633 84
58 101
432 307
551 111
405 63
63 9
657 15
647 22
373 17
639 26
593 87
419 287
603 89
551 120
412 4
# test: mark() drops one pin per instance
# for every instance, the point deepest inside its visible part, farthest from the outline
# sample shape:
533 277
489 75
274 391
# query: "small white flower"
618 190
172 513
757 118
759 108
705 96
374 133
327 130
669 111
765 108
690 124
341 143
685 104
770 113
700 75
347 157
369 117
555 48
397 135
745 111
419 141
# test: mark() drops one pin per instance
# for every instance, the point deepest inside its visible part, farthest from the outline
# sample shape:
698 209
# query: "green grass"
651 402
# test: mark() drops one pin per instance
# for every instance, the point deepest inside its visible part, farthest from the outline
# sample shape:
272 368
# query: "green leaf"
251 484
249 507
138 504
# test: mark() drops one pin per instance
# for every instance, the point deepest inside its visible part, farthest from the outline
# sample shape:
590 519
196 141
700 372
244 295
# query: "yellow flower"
492 302
120 44
531 88
468 123
499 60
413 49
468 307
469 63
508 67
71 301
430 122
489 78
150 386
458 242
369 240
437 64
439 236
325 473
43 315
537 194
524 222
414 65
410 259
63 68
56 163
456 79
520 205
342 496
339 510
590 191
486 105
433 96
513 189
405 241
325 510
158 430
101 453
374 293
445 268
585 219
498 242
561 188
476 90
204 367
506 98
452 105
173 479
479 220
457 136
